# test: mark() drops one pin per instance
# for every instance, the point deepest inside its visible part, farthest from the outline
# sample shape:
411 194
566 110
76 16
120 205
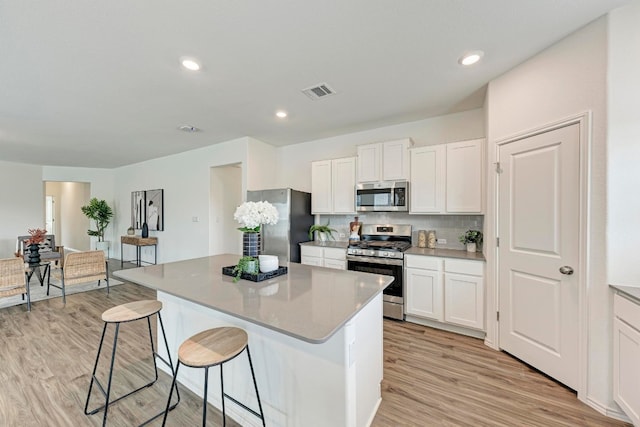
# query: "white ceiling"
98 84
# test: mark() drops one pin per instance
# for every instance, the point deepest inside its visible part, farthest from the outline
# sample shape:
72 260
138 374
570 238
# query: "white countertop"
632 292
309 303
327 244
446 253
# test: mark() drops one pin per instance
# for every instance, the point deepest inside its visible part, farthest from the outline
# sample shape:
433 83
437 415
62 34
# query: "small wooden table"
42 271
139 242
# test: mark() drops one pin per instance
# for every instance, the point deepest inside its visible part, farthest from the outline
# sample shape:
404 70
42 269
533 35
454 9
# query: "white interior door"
539 229
50 214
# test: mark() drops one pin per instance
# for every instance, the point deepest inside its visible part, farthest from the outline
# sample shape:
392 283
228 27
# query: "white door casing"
539 229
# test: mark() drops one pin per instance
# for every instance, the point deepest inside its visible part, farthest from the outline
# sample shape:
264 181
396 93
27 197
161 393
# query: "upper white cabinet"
427 183
333 185
464 177
384 161
447 178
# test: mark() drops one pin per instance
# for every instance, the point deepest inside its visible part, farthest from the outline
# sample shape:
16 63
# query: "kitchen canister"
422 238
431 239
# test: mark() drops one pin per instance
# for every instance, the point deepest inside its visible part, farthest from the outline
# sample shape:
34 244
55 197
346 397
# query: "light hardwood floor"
432 378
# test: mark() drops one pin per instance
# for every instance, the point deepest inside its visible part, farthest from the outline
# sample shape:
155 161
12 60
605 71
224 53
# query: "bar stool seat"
131 311
125 313
211 348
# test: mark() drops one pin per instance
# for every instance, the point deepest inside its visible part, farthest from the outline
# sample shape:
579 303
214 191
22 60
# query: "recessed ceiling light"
471 58
188 128
281 114
190 64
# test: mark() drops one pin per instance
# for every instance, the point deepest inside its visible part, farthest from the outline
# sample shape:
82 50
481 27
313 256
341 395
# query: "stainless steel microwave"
383 196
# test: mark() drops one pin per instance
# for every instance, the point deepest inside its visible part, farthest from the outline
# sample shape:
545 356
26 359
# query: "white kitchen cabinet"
427 183
447 178
343 175
447 290
626 356
333 185
424 286
324 257
464 176
384 161
369 159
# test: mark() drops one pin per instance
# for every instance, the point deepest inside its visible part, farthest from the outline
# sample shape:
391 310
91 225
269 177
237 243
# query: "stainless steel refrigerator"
294 209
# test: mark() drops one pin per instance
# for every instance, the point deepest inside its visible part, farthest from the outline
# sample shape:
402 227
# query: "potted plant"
246 264
33 243
471 238
100 212
323 231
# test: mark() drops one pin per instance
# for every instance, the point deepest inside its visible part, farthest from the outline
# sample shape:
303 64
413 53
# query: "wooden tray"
256 277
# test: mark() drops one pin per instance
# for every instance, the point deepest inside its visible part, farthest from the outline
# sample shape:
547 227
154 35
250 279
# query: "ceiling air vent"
319 91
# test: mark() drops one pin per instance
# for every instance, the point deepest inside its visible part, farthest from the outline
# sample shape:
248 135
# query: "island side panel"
334 383
368 361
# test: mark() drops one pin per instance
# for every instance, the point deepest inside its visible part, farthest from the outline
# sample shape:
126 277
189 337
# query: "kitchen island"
315 336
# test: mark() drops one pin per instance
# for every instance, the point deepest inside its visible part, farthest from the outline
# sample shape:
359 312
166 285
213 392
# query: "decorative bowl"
268 263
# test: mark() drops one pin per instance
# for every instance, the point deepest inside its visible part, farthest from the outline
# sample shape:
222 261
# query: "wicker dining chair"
83 267
13 280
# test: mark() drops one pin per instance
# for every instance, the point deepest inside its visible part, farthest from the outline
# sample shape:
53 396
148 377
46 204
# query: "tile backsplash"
448 227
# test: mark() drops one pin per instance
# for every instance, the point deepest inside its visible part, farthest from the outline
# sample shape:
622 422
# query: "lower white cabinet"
424 286
446 290
324 257
626 356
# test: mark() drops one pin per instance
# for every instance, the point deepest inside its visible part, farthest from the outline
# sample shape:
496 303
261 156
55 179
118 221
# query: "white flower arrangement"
253 214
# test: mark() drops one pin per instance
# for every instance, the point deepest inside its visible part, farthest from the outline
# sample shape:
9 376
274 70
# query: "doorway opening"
63 216
224 197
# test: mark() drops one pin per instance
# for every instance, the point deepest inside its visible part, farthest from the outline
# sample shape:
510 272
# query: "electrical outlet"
441 241
342 235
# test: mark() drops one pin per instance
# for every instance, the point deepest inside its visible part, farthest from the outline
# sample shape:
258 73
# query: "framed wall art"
154 213
137 209
147 206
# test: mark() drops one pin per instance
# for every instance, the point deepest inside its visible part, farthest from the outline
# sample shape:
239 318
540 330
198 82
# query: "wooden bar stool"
210 348
122 314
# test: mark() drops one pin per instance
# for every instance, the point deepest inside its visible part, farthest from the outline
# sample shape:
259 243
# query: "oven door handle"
375 260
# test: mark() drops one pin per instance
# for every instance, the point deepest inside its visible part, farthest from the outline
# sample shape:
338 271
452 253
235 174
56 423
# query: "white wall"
262 163
185 179
21 203
566 79
623 150
295 160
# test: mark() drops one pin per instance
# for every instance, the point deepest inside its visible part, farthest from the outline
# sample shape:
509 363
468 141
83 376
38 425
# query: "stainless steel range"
381 252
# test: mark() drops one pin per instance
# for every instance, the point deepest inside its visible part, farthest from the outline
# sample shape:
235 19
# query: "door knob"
565 269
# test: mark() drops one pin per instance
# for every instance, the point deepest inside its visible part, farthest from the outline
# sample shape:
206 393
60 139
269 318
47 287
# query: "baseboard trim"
446 327
611 412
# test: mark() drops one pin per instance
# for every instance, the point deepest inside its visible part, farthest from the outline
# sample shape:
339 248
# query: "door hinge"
498 316
498 169
497 242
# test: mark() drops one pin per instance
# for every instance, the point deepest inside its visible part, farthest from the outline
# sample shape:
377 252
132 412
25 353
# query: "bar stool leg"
113 359
173 384
204 402
93 374
166 346
153 350
224 414
255 385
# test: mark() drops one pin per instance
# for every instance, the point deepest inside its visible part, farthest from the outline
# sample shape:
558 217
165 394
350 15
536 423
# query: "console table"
139 242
